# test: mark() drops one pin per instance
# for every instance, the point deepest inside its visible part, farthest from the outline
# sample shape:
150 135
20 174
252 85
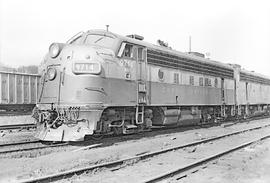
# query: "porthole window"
160 74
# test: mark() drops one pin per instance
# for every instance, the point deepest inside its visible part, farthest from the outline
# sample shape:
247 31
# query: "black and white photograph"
141 91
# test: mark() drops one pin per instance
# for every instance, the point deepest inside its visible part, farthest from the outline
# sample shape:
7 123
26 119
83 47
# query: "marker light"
54 50
51 74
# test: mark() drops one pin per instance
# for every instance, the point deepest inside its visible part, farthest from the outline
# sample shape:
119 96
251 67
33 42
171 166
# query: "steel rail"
33 148
202 161
78 171
19 143
17 126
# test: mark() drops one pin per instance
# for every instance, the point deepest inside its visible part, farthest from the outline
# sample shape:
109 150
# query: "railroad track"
19 143
110 138
113 164
36 143
200 162
17 126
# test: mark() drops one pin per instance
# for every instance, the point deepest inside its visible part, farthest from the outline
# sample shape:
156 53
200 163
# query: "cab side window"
140 54
128 51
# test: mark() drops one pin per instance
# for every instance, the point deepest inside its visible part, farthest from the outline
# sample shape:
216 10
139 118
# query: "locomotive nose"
86 61
73 75
82 82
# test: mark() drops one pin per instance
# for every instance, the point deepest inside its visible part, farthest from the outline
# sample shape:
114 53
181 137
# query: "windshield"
100 40
78 40
75 39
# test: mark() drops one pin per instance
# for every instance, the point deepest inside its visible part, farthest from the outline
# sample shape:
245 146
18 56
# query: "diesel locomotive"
102 83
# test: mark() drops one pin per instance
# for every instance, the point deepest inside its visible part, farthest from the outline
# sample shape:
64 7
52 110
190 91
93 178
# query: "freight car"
18 91
103 83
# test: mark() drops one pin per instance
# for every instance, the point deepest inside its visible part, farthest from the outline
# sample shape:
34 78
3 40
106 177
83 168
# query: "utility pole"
189 44
107 28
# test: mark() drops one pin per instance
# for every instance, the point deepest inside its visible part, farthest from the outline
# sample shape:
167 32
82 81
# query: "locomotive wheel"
118 130
97 136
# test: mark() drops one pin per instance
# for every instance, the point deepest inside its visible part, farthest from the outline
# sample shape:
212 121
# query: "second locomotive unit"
103 83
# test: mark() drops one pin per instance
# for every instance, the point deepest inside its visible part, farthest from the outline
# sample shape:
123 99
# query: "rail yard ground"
250 164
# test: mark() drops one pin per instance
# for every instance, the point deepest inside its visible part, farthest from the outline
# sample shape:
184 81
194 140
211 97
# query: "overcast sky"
232 31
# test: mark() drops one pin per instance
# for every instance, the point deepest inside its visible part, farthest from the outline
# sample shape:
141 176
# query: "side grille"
255 79
172 61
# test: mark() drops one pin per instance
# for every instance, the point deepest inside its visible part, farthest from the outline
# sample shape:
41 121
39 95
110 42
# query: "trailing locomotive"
103 83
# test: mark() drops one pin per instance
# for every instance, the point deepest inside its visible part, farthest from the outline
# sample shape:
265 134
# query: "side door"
141 74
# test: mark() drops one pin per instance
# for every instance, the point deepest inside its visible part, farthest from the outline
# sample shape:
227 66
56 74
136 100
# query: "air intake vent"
135 36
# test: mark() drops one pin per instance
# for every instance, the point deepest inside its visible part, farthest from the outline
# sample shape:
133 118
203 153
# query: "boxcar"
18 91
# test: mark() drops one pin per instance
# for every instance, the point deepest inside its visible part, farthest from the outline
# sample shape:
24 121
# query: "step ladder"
141 101
139 114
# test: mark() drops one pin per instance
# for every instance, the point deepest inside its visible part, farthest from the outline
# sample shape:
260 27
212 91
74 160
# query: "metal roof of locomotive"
172 51
190 56
161 48
254 73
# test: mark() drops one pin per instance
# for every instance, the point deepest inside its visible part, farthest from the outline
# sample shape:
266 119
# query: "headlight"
87 68
54 50
51 74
